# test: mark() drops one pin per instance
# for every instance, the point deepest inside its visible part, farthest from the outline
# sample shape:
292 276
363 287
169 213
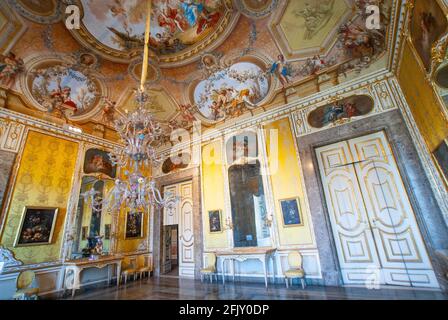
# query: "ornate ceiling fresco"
179 29
212 60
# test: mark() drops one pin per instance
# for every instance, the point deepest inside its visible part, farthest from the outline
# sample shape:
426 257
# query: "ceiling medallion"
43 12
256 9
180 30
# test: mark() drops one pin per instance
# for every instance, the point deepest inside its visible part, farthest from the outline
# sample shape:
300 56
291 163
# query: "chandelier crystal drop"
139 132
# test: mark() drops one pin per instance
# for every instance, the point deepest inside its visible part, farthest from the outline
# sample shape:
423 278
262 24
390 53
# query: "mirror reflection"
93 224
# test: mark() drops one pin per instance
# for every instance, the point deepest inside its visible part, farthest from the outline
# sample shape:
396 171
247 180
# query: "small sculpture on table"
94 248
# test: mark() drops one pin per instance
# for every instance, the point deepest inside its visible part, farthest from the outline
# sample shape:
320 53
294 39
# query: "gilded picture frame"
291 212
133 227
84 233
215 221
37 226
440 155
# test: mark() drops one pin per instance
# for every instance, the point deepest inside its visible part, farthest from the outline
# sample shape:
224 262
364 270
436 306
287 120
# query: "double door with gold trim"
376 234
182 215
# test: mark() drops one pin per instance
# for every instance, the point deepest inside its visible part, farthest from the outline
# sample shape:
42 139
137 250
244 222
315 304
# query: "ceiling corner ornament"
180 30
43 12
139 132
302 28
12 27
256 9
154 73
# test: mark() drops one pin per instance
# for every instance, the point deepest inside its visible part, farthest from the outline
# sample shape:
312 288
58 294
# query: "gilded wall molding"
9 115
379 92
279 110
433 174
12 135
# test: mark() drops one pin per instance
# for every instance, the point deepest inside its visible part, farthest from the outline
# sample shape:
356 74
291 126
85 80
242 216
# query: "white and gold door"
182 214
373 223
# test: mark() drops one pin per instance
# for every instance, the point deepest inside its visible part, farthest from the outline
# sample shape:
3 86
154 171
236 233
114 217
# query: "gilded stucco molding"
281 110
12 137
433 174
378 91
9 115
401 11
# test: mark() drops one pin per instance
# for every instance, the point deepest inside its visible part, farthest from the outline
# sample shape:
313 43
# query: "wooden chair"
144 265
129 268
295 270
26 285
210 269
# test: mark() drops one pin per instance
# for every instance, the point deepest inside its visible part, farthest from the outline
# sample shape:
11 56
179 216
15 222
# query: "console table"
243 254
78 265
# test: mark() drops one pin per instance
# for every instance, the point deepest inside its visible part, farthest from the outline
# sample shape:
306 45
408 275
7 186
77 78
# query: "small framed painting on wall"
441 156
37 226
214 218
107 228
84 233
291 212
134 225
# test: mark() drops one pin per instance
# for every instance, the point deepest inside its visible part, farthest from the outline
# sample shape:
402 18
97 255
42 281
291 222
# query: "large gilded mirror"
92 221
247 195
93 230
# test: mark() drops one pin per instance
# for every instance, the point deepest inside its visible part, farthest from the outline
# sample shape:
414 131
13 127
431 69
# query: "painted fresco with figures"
260 149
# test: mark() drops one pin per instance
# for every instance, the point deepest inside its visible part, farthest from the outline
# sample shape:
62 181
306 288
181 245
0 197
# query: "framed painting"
428 24
291 212
84 233
107 228
134 225
98 161
36 226
214 218
441 156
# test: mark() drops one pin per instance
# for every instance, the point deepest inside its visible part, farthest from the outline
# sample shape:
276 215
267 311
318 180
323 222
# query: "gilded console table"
243 254
78 265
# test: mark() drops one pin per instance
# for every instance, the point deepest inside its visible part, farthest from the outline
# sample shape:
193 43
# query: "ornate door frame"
192 174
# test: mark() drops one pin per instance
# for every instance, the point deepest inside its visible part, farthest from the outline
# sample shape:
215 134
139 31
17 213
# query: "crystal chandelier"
139 132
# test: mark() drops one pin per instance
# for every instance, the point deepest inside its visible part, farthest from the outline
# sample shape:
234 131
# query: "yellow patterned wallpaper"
286 183
213 193
44 178
422 100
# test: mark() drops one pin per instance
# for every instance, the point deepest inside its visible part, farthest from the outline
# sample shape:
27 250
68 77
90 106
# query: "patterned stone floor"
168 288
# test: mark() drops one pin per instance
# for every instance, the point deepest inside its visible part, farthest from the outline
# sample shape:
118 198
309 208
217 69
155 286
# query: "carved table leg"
265 269
223 263
118 273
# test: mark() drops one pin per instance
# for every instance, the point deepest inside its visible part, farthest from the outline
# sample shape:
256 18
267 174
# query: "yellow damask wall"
213 192
422 100
286 182
44 178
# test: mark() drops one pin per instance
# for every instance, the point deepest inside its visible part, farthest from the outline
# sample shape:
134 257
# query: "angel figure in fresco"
172 18
108 111
59 101
313 65
196 14
10 67
186 111
280 69
360 42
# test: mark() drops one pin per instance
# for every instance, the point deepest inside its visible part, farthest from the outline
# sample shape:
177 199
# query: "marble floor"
167 288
